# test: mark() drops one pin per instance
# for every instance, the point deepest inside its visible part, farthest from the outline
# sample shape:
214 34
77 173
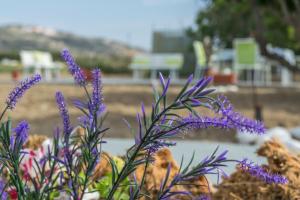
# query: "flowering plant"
67 165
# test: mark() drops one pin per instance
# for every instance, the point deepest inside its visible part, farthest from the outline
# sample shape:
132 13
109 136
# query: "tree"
268 21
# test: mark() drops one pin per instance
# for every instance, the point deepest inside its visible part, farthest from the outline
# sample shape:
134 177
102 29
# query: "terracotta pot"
225 79
88 74
15 74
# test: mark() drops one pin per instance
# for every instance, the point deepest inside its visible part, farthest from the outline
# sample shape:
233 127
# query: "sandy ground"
280 106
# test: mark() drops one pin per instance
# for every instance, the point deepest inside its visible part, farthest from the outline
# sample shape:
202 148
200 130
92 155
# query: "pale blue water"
201 149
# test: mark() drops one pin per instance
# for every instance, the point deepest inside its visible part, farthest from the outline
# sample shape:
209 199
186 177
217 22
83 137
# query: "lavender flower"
21 88
74 69
60 100
21 131
193 123
20 136
197 89
158 144
3 194
80 104
97 97
56 133
164 84
165 192
85 121
199 122
228 119
236 119
261 173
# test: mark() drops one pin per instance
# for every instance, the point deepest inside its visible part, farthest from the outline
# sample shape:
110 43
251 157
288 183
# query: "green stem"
4 111
20 186
120 176
143 177
134 155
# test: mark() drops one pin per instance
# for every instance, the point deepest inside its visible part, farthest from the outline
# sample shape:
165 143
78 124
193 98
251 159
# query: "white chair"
289 55
40 62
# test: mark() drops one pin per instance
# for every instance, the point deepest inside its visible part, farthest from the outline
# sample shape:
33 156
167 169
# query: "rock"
295 132
282 135
278 133
247 138
293 145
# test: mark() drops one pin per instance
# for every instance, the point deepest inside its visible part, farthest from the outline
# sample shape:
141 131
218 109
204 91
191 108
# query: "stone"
295 132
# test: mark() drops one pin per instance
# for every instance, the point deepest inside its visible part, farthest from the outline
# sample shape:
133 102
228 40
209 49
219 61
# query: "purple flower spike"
229 121
222 156
56 133
190 79
164 84
21 88
143 110
3 194
157 145
127 124
21 131
195 123
97 98
198 87
79 104
162 80
74 69
202 83
236 119
261 173
60 100
139 135
166 87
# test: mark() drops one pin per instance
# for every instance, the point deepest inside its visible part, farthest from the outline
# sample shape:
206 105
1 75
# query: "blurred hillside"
89 51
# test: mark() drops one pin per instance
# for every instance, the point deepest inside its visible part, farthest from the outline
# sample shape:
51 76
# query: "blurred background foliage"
269 21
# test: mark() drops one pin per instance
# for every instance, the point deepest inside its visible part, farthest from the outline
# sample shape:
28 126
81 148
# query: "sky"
130 21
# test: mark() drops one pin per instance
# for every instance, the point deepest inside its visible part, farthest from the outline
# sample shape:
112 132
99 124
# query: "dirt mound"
241 185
